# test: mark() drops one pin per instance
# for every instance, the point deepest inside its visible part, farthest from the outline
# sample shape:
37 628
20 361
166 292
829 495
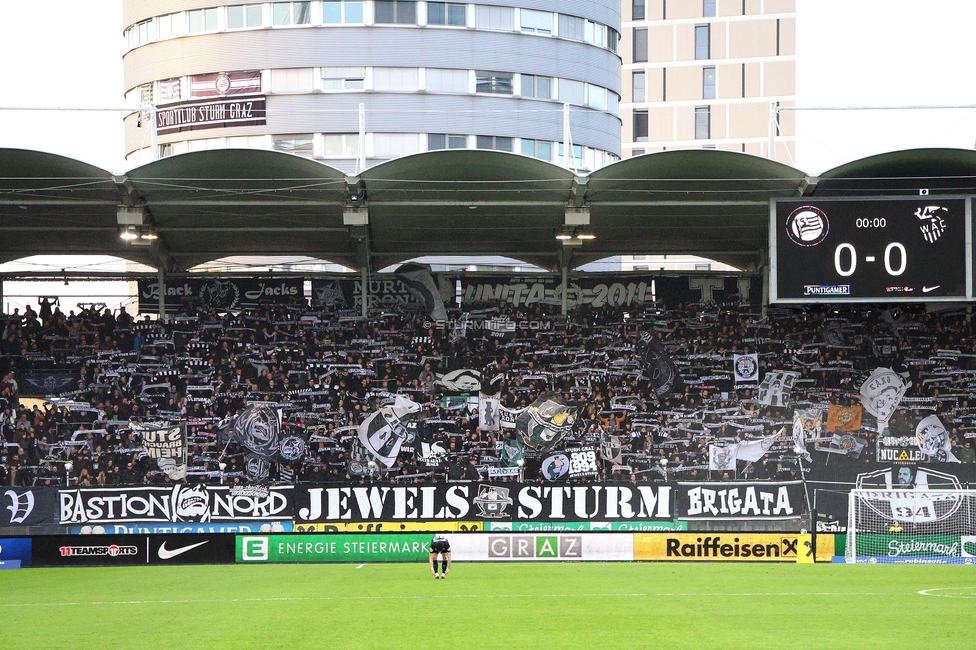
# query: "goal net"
911 526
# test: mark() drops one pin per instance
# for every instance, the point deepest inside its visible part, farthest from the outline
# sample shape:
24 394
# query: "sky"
849 52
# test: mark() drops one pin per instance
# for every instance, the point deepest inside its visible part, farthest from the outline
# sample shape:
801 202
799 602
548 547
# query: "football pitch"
530 605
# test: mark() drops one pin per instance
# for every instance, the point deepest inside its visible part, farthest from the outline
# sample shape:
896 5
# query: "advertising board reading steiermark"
863 249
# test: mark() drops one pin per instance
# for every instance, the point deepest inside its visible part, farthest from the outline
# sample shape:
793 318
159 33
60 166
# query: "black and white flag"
657 364
489 405
776 388
746 368
933 440
383 432
167 444
418 279
881 393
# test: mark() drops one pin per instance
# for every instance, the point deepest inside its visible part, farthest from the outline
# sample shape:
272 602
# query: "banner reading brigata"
739 500
198 503
219 295
464 501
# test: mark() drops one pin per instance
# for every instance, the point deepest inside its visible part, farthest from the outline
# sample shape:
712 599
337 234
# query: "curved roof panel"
945 171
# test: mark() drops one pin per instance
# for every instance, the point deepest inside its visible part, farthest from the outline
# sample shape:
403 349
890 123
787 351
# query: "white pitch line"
360 566
433 596
928 592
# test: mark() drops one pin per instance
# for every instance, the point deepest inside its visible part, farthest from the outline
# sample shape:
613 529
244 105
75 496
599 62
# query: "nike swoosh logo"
927 289
165 554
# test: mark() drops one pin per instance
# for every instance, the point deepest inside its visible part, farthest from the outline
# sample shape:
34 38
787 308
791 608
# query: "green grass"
546 605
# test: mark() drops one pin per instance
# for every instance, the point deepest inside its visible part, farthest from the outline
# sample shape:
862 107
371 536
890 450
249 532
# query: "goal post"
911 526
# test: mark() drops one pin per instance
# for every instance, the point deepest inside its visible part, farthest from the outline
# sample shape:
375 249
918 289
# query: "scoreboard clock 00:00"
868 250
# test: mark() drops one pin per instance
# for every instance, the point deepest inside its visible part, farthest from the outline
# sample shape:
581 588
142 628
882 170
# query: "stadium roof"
212 204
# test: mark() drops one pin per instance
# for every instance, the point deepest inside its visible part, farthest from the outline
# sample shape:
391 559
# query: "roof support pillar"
162 295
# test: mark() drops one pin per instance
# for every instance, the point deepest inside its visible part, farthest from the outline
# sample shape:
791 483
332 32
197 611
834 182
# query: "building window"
396 79
572 27
498 18
596 97
536 22
292 80
595 34
577 155
640 87
169 26
637 152
165 150
443 80
144 32
437 141
703 122
447 13
499 83
297 144
496 142
640 45
339 79
540 149
335 12
639 10
708 82
703 267
702 42
640 126
536 86
572 92
201 20
395 12
244 16
708 8
291 13
340 145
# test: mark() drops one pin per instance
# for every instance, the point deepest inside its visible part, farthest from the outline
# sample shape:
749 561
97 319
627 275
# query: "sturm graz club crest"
292 448
807 226
902 494
492 501
746 367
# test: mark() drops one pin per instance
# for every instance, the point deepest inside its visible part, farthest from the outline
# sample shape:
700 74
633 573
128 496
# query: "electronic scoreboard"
914 249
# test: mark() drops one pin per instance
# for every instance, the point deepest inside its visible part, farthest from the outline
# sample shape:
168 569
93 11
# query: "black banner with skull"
177 503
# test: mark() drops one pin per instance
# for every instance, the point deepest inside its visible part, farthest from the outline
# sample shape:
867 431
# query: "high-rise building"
292 76
705 74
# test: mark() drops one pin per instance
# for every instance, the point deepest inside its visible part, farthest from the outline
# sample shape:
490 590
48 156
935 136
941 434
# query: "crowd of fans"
328 370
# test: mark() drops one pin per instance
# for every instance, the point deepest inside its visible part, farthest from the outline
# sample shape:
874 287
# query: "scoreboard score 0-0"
840 250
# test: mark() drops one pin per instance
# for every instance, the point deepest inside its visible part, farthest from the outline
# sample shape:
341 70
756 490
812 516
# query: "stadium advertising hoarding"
740 500
184 528
594 547
118 550
174 504
728 547
15 552
895 547
393 527
219 295
870 249
585 526
398 547
480 501
27 506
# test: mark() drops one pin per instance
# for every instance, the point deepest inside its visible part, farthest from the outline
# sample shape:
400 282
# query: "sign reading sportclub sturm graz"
219 295
857 250
466 501
211 114
760 500
198 503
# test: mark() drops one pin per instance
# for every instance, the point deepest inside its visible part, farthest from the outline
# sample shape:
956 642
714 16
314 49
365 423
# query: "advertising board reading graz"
860 250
